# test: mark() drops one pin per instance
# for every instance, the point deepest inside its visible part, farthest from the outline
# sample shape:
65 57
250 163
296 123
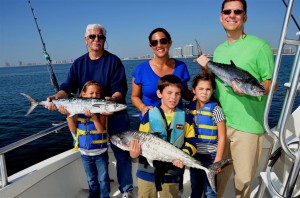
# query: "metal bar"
276 140
292 42
288 109
3 171
26 140
291 181
5 149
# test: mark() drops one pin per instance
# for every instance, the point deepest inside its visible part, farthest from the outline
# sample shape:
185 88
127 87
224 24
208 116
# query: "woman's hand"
145 109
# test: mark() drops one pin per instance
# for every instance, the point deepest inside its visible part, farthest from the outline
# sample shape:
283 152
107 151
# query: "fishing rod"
47 56
292 16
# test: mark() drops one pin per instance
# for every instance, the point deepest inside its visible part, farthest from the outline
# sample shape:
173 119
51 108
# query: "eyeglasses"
99 36
162 41
237 12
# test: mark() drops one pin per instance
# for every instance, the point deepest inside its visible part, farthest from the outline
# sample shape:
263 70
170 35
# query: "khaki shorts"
147 189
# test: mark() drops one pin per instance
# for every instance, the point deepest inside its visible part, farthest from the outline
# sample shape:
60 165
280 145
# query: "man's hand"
50 105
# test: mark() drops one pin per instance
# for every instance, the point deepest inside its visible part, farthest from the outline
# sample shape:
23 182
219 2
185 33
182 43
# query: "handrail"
289 104
279 133
276 71
5 149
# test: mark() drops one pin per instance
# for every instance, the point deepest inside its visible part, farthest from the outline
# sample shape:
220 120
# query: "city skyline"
177 53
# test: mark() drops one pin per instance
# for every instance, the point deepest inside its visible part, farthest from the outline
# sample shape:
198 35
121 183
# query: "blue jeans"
117 123
199 181
96 169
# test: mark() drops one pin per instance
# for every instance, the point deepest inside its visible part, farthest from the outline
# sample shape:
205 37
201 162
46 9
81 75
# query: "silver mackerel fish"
79 105
243 79
230 72
155 148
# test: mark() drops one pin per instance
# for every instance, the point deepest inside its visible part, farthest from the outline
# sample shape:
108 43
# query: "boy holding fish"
169 123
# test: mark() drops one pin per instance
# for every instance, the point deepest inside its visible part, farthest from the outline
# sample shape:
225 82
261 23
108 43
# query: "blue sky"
128 24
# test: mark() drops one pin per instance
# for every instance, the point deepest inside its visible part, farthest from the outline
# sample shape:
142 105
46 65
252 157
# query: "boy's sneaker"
127 195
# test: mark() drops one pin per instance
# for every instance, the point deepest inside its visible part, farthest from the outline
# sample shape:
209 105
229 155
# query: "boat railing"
10 147
279 132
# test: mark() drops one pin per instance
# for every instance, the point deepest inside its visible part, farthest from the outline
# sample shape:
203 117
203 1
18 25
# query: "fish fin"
213 170
33 103
150 162
232 63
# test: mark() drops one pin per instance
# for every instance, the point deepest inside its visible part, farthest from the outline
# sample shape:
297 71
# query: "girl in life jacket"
210 132
90 138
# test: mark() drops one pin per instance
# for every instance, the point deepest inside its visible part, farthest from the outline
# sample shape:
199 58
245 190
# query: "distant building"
285 50
288 51
177 52
188 51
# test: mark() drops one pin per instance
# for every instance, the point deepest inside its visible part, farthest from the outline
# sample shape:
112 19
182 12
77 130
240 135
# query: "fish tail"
33 103
213 170
211 178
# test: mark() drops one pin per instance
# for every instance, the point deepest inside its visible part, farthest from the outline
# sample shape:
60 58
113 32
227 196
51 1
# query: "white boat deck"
63 175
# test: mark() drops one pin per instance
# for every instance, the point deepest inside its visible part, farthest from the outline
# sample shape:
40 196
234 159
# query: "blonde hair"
89 83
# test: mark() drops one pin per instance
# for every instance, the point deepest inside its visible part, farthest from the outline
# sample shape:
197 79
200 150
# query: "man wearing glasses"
107 69
243 113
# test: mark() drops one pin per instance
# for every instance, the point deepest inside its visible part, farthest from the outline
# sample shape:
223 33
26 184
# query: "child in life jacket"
90 135
210 130
168 122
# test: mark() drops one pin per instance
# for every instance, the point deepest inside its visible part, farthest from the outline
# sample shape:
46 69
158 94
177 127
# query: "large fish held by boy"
155 148
79 105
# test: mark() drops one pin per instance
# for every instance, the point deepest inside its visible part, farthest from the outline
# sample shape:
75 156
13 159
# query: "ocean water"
35 81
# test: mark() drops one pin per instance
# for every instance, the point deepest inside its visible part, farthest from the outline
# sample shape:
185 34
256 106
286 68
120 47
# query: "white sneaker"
127 195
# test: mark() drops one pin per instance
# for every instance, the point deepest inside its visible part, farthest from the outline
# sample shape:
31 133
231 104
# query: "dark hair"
204 77
242 1
166 33
168 80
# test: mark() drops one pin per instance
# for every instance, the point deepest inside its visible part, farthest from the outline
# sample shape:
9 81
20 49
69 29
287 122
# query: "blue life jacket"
158 124
173 134
205 127
87 136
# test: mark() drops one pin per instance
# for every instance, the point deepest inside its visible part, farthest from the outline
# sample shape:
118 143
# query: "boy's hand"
135 148
178 163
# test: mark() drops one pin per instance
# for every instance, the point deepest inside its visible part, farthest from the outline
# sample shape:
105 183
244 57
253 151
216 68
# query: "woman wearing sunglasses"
146 75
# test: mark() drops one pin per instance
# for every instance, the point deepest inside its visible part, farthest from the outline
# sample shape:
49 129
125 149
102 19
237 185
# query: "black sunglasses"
162 41
237 12
99 36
